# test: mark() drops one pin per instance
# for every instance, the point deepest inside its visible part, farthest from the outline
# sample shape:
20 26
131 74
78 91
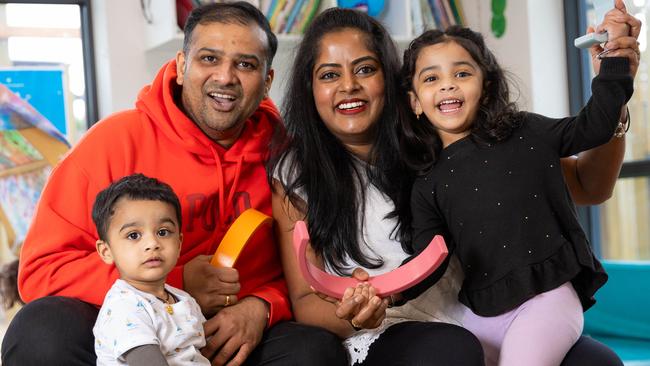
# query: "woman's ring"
355 325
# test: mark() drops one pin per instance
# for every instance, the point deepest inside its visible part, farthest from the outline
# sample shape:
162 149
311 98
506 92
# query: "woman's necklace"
168 304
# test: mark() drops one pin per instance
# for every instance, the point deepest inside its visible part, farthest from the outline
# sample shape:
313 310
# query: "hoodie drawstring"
240 163
221 185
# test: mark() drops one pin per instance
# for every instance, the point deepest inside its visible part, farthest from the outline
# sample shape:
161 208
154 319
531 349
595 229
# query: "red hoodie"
157 139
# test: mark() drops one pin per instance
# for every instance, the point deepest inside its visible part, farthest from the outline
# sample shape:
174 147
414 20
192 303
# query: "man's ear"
268 81
104 251
415 103
180 67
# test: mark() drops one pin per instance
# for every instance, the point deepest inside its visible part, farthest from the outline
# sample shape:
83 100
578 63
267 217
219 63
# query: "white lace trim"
359 343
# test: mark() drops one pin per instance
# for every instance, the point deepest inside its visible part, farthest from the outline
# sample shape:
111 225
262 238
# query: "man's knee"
457 345
50 330
317 346
291 343
451 345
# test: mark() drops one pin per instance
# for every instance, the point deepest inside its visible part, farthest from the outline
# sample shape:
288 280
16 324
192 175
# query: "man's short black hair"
134 187
239 12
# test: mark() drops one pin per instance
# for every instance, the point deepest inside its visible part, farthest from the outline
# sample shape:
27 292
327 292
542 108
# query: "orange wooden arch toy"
237 236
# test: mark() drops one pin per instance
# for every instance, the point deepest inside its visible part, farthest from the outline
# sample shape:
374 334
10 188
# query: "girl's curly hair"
497 116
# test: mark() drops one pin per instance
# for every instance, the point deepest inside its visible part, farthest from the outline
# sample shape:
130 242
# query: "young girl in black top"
493 187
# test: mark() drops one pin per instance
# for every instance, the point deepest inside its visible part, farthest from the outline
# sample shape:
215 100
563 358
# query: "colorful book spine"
427 16
417 18
271 9
297 7
276 14
457 9
435 14
439 9
449 13
310 11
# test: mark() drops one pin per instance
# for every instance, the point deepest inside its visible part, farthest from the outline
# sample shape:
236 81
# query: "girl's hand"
358 274
623 30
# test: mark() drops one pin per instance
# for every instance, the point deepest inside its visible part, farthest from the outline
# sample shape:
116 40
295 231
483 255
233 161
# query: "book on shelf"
416 15
435 14
449 15
457 10
284 16
278 9
428 21
307 13
291 19
290 16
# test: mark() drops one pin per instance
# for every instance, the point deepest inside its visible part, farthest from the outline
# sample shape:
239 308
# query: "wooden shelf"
24 168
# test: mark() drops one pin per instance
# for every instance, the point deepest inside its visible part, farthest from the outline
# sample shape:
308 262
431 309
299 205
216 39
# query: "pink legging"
538 333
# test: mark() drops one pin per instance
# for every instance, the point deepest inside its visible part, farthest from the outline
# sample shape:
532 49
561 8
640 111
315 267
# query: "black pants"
589 352
439 344
58 331
419 344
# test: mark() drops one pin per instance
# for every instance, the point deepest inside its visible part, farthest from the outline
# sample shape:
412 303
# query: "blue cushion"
621 318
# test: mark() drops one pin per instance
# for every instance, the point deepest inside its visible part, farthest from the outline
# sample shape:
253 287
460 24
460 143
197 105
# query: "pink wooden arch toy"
386 284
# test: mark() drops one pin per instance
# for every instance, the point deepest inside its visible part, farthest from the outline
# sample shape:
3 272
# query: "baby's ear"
415 103
104 251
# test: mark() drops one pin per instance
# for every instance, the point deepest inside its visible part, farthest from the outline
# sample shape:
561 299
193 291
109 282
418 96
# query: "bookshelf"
163 37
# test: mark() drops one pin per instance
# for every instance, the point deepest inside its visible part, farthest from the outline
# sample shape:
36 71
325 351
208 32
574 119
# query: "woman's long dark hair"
323 168
497 116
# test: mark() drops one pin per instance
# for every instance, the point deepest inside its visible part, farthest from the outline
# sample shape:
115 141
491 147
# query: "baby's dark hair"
497 116
134 187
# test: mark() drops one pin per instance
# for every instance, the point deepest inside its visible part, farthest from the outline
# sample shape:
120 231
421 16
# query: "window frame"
88 49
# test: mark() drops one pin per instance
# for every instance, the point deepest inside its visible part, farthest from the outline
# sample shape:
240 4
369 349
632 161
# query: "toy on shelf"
386 284
372 7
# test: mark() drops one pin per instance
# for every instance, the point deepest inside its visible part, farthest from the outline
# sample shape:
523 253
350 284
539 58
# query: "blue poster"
42 88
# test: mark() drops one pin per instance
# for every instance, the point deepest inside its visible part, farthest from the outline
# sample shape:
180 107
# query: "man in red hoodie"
203 126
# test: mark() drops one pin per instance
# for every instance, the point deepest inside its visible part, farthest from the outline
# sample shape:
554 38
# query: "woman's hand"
362 307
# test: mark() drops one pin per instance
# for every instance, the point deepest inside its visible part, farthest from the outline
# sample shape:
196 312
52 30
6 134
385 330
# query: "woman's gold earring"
418 115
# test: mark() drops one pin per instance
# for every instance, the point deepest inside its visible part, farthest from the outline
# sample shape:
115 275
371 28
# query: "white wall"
118 31
532 49
547 50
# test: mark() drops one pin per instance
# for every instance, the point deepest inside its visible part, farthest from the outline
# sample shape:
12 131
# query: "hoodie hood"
158 103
